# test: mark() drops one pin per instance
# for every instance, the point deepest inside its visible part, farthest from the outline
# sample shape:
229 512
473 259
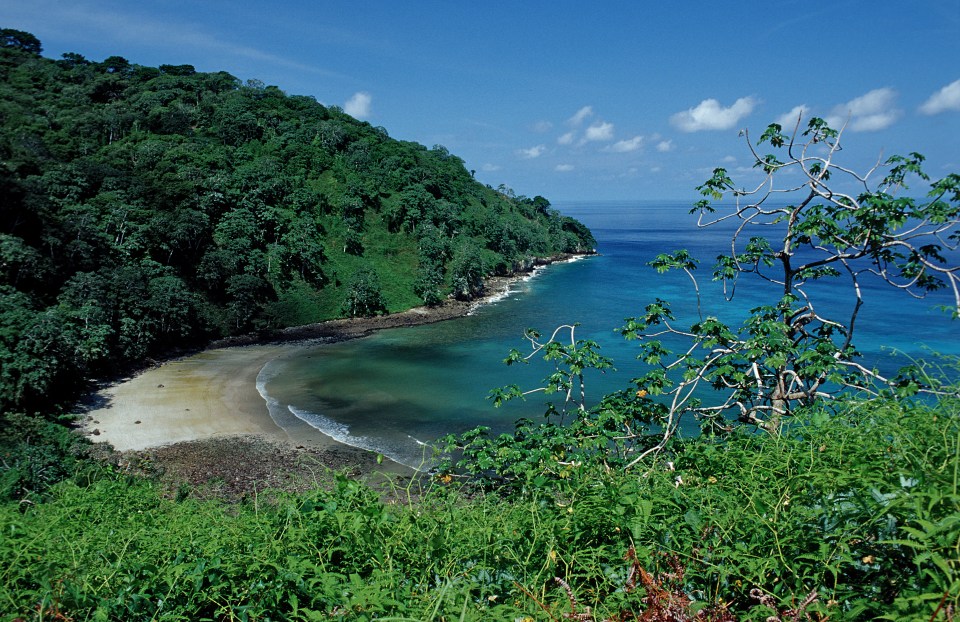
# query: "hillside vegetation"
852 516
148 207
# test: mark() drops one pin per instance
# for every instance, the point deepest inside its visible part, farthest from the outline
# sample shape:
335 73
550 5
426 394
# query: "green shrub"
36 454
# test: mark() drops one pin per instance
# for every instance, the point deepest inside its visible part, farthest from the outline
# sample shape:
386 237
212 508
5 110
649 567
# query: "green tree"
246 294
20 264
410 209
429 284
20 40
353 237
365 297
789 353
467 271
304 254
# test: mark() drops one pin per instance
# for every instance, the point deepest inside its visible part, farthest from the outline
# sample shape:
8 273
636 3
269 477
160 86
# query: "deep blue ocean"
396 391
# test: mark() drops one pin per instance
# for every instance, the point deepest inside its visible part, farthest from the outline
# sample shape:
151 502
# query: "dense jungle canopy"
145 208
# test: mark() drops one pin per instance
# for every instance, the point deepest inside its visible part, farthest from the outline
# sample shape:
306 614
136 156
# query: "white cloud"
358 106
532 152
625 146
567 138
489 168
564 168
664 146
947 98
868 113
788 120
542 127
598 131
580 116
709 115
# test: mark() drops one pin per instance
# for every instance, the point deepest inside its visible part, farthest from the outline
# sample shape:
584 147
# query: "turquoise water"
396 391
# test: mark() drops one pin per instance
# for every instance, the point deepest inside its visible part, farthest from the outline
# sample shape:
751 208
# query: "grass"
853 515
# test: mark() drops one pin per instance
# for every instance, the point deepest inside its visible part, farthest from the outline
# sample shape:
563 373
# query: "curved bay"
398 390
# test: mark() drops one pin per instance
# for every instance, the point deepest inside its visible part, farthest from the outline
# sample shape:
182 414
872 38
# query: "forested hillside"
148 207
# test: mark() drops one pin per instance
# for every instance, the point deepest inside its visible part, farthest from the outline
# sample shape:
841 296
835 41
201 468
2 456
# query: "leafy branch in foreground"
608 433
799 348
806 245
570 360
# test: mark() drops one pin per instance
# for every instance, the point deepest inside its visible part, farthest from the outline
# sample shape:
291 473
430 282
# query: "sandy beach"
213 394
199 397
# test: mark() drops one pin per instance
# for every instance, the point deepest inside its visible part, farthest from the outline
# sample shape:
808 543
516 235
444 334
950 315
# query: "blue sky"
571 100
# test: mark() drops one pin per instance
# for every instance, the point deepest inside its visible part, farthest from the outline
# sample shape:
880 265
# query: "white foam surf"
417 459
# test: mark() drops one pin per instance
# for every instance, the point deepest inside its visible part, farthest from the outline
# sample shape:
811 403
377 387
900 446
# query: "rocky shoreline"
353 328
235 468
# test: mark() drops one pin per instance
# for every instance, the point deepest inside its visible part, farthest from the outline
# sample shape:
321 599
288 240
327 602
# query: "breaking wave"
415 454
